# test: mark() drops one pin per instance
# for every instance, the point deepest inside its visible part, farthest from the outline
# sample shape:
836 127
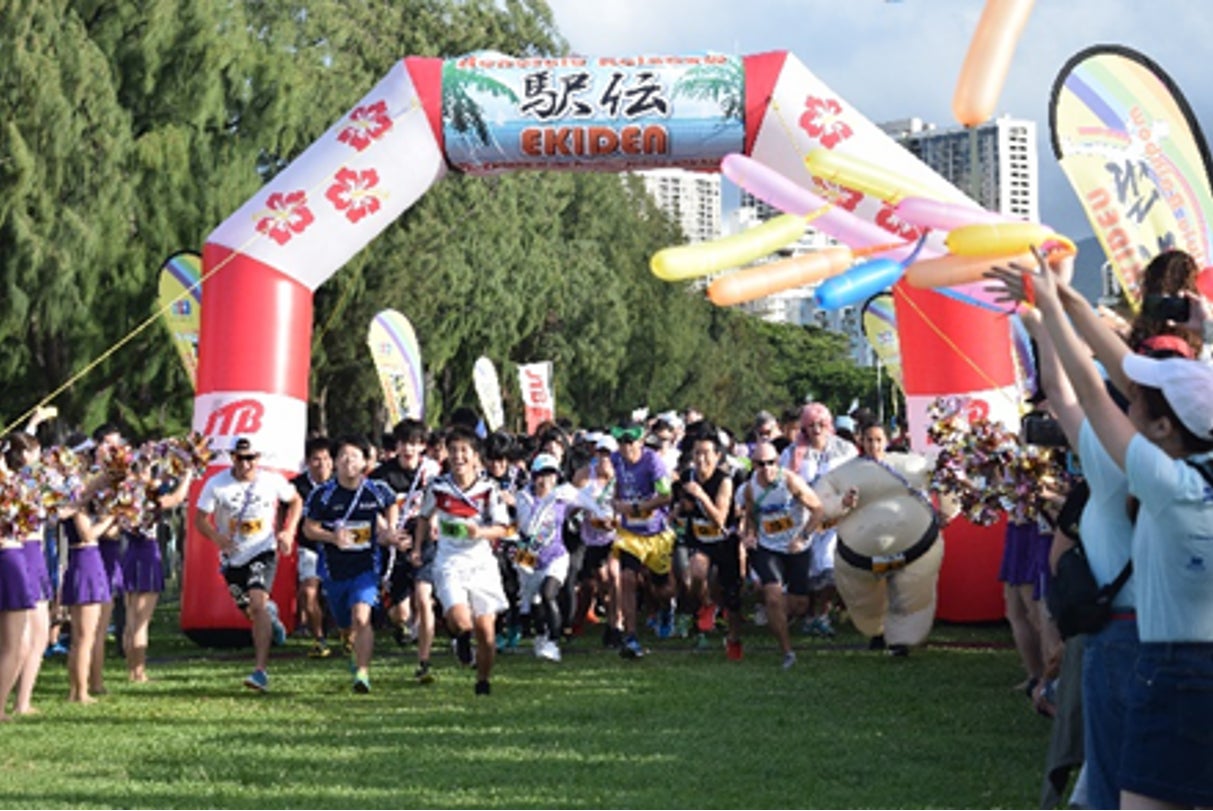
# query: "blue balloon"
859 283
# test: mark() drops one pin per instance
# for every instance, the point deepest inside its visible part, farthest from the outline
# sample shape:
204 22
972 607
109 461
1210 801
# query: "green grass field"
846 728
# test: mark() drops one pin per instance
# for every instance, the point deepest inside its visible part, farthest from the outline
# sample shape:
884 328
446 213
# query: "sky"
895 59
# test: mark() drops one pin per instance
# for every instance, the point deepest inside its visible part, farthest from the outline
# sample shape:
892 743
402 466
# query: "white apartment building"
691 198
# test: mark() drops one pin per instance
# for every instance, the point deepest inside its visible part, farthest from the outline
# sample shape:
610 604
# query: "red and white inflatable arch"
486 113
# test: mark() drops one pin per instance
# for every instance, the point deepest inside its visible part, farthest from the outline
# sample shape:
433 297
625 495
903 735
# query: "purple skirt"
35 561
1025 557
111 556
142 570
18 591
85 580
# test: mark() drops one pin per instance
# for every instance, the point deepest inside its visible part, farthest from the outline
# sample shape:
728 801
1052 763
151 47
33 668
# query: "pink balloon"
941 216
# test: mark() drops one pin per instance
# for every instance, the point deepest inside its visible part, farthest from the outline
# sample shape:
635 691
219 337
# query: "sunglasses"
245 457
766 462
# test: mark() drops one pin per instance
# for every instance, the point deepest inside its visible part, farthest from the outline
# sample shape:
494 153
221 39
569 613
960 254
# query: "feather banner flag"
1133 151
488 389
397 357
181 307
880 327
535 380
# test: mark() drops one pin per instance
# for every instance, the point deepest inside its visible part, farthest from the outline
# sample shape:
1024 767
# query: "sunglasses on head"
627 434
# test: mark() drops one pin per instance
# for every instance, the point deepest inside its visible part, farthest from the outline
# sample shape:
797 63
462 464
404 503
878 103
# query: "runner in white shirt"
466 507
237 511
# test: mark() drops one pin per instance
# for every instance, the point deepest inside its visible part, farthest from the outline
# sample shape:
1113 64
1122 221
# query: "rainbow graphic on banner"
880 327
181 307
1133 151
397 357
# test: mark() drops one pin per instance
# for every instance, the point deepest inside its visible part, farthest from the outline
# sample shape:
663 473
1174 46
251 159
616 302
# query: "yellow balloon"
705 258
856 173
1003 239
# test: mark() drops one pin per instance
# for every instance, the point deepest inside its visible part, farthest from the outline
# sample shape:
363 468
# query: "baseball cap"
244 445
606 442
545 462
1186 384
844 423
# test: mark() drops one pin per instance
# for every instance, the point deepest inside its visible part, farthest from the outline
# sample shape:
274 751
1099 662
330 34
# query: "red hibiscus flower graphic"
354 193
841 196
887 219
284 215
366 124
822 119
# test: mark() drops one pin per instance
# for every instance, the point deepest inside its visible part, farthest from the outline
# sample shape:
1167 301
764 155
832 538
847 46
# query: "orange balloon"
988 60
950 269
763 280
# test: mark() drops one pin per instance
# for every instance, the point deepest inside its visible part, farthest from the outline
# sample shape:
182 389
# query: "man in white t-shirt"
238 511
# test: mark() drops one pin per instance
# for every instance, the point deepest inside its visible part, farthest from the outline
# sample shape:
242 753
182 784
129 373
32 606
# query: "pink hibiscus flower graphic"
887 219
822 119
354 193
841 196
366 124
285 215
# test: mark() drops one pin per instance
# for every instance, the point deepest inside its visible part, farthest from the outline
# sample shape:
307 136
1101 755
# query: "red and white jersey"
457 510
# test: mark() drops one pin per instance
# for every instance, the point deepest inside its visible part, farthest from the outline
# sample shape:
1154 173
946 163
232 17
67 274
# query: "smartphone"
1167 308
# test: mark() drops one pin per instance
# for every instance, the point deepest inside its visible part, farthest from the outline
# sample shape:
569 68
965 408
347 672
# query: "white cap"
1186 384
545 462
606 442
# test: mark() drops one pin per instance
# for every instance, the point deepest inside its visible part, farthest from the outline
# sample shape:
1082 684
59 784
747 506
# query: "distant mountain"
1087 268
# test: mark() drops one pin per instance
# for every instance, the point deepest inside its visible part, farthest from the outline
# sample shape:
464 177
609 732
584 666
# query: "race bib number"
706 530
248 527
361 533
774 526
526 558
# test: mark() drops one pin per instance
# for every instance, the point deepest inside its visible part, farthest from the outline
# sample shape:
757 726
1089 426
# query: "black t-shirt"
304 485
693 508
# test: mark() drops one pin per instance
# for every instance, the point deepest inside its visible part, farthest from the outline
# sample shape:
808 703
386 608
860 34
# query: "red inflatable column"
252 381
951 349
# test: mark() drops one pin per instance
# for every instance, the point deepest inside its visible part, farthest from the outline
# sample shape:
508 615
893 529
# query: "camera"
1044 431
1167 308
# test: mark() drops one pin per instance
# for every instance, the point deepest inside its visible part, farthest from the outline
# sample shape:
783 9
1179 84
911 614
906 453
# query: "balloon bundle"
987 469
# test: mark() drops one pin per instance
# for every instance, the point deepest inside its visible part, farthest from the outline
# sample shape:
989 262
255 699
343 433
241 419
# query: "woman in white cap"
542 558
1165 446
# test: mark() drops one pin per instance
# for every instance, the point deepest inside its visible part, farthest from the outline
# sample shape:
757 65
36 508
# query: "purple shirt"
639 482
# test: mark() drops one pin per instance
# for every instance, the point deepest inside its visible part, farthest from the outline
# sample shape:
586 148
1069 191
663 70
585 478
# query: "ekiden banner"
397 356
609 112
1133 151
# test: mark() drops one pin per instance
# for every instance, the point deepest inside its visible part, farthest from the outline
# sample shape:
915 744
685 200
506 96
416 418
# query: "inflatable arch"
485 113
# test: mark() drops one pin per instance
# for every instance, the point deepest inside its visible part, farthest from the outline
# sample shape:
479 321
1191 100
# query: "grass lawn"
845 728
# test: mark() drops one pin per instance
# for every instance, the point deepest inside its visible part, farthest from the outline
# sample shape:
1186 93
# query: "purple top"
640 482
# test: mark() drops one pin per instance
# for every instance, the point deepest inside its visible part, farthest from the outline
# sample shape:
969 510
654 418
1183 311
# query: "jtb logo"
537 389
235 418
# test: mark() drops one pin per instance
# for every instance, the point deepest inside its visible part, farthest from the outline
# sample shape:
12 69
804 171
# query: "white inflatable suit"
889 546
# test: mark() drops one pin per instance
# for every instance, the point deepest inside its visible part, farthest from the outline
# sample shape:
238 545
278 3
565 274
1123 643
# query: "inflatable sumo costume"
889 546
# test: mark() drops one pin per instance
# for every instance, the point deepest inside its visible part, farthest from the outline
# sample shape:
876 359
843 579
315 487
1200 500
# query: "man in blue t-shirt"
351 516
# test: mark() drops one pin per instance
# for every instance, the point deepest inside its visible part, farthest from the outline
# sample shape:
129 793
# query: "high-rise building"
691 198
994 163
